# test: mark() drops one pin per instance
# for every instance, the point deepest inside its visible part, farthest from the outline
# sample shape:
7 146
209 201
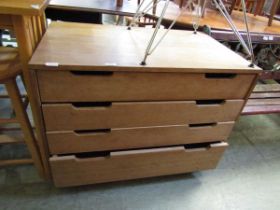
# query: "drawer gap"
202 125
95 131
200 145
220 75
108 153
210 102
91 104
92 73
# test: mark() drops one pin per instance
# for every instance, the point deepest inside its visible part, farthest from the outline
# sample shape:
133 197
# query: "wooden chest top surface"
75 46
23 7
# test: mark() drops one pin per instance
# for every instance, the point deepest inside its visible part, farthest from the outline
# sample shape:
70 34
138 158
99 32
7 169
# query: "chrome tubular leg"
197 16
147 52
248 33
170 26
224 12
137 13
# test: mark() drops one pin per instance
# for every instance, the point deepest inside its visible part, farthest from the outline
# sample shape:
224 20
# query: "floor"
248 177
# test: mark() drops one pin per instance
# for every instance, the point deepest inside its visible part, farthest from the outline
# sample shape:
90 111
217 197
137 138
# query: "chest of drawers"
106 118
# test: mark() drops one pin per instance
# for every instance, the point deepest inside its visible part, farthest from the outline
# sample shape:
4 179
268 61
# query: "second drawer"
63 142
62 117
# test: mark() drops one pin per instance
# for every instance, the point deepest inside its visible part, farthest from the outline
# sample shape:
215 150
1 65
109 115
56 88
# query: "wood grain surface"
63 142
61 117
114 48
64 86
125 165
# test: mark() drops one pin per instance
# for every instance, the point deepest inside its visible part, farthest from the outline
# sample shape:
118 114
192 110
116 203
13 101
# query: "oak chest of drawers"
106 118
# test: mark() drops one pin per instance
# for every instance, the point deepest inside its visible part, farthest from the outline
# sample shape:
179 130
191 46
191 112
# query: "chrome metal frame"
220 6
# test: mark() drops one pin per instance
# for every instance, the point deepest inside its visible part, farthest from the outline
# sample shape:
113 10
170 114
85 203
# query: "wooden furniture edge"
23 12
139 69
43 146
248 94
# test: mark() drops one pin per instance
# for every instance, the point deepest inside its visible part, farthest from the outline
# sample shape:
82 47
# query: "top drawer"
74 86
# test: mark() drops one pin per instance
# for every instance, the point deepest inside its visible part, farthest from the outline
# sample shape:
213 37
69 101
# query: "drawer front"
63 142
125 165
61 117
66 86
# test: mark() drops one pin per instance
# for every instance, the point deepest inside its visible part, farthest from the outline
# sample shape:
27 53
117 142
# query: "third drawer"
66 142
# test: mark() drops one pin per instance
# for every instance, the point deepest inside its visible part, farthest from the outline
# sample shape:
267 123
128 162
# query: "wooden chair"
26 19
252 6
10 68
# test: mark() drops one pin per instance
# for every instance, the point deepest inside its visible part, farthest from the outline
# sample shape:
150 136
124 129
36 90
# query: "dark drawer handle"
96 131
91 104
199 125
92 73
105 154
92 154
200 145
220 75
210 102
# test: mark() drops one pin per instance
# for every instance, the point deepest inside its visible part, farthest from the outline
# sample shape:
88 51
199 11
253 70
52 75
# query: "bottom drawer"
63 142
124 165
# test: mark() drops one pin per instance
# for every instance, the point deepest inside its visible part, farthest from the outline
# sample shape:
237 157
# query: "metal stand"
139 14
198 13
224 12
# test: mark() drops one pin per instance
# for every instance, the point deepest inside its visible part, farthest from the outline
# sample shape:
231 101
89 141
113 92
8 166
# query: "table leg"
22 30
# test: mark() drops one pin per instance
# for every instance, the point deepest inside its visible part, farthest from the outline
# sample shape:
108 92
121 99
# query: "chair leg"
232 6
1 41
24 122
259 7
273 10
181 4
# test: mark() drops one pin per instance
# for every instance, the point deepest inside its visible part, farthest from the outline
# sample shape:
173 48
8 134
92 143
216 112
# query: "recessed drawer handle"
92 104
92 73
202 146
93 154
220 75
210 102
199 125
93 132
